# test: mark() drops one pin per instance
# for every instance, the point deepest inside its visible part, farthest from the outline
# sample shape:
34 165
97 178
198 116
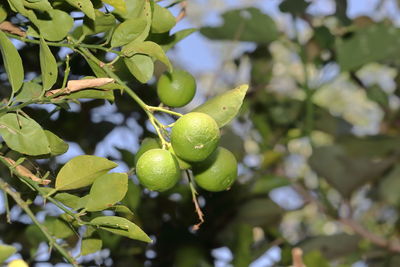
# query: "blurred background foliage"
318 141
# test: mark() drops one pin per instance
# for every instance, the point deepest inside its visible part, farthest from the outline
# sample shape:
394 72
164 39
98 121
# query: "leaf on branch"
6 251
11 28
77 85
224 107
48 65
23 171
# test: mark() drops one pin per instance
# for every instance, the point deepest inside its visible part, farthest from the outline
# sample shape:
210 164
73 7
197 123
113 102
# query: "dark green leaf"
12 62
295 7
57 227
244 25
101 197
224 107
102 23
260 212
23 135
132 197
390 185
48 66
121 226
92 94
81 171
54 29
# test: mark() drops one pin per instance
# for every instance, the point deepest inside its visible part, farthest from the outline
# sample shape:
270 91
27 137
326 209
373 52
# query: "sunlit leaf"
163 20
101 197
54 29
81 171
121 226
140 66
23 135
224 107
127 31
12 62
119 5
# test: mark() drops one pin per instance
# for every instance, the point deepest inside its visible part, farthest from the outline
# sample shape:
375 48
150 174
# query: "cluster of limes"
194 140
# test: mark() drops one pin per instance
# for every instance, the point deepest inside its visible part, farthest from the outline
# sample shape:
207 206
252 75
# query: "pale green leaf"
92 94
12 62
29 90
224 107
140 66
23 135
85 6
163 20
81 171
119 5
48 66
90 245
147 48
57 227
57 145
146 14
170 41
42 5
3 13
121 209
54 27
121 226
68 200
127 31
101 197
6 251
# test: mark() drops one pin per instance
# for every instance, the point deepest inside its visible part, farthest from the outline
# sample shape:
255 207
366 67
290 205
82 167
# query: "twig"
52 242
22 171
297 256
200 214
183 11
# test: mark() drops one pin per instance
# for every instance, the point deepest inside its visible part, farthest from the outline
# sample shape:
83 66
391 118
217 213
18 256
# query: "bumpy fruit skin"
158 170
147 144
195 136
218 172
176 89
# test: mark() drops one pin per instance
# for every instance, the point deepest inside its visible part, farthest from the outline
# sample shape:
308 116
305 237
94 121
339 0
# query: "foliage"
64 61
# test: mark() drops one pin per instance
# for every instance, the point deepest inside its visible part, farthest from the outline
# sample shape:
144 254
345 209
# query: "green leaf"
85 6
244 25
374 43
140 66
92 94
12 62
57 145
333 246
146 14
295 7
172 40
81 171
57 227
6 251
23 135
389 187
119 5
48 66
121 226
54 26
29 90
243 240
132 197
224 107
315 259
260 212
127 31
102 23
42 5
121 209
90 245
101 197
147 48
163 20
68 200
3 13
265 184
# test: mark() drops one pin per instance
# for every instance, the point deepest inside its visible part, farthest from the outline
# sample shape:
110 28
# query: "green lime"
176 89
218 172
184 165
195 136
157 169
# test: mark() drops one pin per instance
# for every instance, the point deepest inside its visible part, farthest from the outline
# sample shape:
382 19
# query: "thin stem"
8 217
66 72
200 214
16 196
160 109
69 45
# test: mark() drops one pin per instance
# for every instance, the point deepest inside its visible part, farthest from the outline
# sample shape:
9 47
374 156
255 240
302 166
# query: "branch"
17 198
11 28
22 171
182 13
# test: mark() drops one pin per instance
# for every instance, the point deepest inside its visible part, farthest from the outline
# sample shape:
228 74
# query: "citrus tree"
300 169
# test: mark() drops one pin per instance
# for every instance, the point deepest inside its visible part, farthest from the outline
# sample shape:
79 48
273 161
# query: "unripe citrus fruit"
147 144
218 172
176 89
195 136
158 170
184 165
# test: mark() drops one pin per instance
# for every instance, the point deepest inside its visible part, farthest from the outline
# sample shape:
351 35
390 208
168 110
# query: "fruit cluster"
194 140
